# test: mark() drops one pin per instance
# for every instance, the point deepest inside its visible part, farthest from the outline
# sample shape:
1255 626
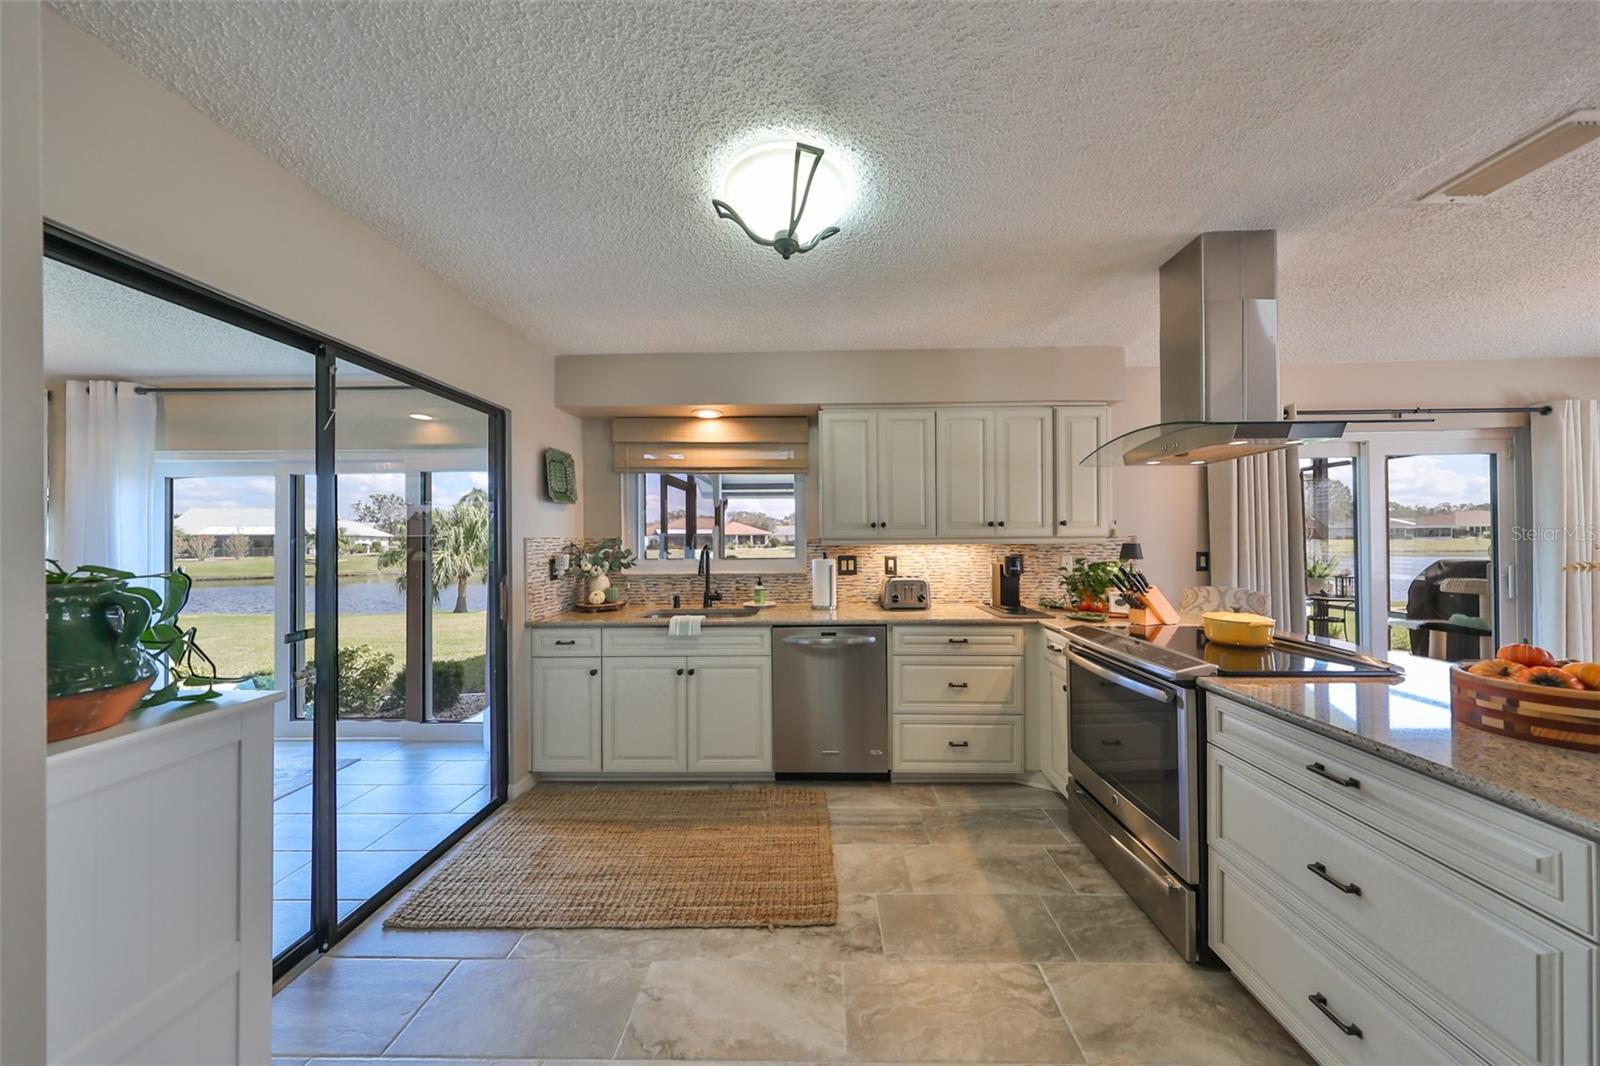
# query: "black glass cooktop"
1184 652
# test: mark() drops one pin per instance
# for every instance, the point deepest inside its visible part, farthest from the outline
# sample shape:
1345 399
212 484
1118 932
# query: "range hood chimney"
1219 360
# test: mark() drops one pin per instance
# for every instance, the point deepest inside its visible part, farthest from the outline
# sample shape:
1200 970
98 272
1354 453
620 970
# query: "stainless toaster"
904 594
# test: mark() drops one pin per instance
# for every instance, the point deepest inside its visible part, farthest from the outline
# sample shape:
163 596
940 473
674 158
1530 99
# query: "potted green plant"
597 563
1320 572
112 646
1087 584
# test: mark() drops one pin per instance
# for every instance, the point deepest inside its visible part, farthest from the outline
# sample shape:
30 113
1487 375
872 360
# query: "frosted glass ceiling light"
789 194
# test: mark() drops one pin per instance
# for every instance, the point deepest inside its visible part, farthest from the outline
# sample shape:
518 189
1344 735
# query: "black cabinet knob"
680 671
1002 523
991 525
593 672
1063 522
691 671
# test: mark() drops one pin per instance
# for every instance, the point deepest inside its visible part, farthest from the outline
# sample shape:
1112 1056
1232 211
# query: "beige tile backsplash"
957 573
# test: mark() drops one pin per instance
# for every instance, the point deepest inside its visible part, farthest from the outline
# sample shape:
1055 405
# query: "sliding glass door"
342 521
1410 542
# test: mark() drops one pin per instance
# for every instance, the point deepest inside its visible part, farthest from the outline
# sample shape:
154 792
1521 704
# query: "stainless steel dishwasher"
830 700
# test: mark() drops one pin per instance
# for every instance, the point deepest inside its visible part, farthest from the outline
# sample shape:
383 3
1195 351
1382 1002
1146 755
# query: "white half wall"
129 163
22 722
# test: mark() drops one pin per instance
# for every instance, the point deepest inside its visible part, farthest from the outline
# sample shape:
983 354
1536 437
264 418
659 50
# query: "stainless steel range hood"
1219 360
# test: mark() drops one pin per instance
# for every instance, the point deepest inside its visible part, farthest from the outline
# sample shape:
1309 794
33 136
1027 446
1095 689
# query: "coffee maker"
1005 589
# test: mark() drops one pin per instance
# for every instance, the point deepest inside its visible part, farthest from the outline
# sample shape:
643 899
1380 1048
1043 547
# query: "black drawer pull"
956 640
1055 649
565 643
956 684
1320 1001
957 743
1110 742
1322 771
1346 887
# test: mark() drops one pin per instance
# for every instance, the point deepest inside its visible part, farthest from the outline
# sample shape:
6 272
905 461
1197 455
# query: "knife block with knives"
1146 604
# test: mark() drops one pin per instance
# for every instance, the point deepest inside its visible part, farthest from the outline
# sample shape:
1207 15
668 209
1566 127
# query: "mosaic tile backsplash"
957 573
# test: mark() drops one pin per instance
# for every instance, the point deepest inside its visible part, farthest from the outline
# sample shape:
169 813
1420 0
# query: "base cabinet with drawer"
620 702
956 699
1433 960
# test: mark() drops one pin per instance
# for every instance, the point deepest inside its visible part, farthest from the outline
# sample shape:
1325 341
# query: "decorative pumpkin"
1525 655
597 597
1502 668
1588 674
1548 676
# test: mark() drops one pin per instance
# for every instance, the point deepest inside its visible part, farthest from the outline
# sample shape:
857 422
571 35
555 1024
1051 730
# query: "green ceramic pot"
92 631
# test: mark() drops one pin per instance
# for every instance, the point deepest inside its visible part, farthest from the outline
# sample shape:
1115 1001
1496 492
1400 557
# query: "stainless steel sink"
709 612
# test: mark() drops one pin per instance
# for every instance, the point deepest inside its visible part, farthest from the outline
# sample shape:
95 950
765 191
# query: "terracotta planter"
95 669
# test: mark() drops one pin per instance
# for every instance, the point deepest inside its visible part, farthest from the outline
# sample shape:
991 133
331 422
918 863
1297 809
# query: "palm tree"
460 539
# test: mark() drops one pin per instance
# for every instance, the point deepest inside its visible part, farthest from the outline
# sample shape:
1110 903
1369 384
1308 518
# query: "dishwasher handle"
830 642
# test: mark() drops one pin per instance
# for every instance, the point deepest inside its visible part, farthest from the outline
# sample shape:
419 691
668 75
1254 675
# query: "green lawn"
259 568
243 644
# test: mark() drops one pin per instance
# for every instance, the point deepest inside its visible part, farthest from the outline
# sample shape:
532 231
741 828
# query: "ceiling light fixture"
420 417
1538 149
707 412
766 182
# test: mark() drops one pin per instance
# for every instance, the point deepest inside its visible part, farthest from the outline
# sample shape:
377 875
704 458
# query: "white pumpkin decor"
597 597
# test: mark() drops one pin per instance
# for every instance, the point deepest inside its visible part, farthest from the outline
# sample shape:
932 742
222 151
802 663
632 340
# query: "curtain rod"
1397 412
145 390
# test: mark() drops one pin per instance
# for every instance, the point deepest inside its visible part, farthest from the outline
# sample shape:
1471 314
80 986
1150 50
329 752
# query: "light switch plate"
891 565
847 565
1202 562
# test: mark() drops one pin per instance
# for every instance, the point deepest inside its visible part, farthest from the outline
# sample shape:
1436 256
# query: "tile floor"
973 927
396 800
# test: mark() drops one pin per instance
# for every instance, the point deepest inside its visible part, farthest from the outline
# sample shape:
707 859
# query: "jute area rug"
638 859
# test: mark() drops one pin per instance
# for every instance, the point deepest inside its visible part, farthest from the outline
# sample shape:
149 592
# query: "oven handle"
1149 691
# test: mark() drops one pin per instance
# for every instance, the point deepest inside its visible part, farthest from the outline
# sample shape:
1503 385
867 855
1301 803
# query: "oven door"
1135 748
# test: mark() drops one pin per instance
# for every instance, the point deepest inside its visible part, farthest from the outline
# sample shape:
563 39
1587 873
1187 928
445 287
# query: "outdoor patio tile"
460 772
285 863
472 802
299 801
419 832
356 831
361 874
409 799
382 772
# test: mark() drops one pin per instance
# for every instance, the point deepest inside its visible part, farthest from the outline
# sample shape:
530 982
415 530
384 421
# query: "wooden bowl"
1564 718
90 712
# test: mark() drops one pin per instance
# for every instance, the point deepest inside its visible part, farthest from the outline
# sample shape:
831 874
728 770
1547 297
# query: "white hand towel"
685 625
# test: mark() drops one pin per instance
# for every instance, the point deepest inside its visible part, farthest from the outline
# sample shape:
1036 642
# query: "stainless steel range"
1135 752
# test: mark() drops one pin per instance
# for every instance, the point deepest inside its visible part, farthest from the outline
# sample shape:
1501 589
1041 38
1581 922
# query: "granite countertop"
800 614
1408 723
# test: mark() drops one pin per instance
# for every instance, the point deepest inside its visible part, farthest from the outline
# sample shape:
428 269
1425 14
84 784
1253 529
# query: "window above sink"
752 522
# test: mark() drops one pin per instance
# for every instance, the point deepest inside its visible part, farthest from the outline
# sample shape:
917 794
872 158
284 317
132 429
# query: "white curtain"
1257 539
1566 529
108 501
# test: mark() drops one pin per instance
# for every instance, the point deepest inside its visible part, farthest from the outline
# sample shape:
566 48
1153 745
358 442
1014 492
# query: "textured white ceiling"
1023 167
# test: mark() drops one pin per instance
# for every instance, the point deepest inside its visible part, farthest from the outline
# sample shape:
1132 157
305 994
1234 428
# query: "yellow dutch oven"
1239 629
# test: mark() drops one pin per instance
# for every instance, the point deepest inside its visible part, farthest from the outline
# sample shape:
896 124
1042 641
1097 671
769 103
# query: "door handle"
1320 1001
830 642
1347 887
1129 683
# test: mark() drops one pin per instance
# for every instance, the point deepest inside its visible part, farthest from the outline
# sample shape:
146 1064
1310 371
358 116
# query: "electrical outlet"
1202 562
891 565
847 565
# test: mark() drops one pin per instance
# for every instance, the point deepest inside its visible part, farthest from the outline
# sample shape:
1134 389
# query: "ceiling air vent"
1521 159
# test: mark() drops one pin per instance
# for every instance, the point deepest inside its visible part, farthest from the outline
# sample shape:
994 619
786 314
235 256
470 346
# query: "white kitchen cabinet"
730 713
1082 493
877 473
644 725
1058 728
1024 491
965 472
905 473
566 714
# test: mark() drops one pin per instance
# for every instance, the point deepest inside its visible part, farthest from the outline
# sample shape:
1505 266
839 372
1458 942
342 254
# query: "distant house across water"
219 526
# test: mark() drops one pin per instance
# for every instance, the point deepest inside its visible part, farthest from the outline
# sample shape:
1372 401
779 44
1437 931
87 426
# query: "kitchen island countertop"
1409 724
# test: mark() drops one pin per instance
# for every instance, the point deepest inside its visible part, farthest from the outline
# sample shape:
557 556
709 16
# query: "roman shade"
710 446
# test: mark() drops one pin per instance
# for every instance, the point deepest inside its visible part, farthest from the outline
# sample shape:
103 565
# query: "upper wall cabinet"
994 472
961 473
1083 493
877 473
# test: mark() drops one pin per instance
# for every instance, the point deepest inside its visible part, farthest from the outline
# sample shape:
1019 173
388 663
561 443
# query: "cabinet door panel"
730 714
965 493
645 715
1083 493
849 469
1060 732
905 473
1023 476
566 714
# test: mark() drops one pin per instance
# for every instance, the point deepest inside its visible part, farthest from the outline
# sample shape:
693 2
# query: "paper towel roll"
824 584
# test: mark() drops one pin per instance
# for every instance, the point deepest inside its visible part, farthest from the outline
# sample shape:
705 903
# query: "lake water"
1402 569
357 595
